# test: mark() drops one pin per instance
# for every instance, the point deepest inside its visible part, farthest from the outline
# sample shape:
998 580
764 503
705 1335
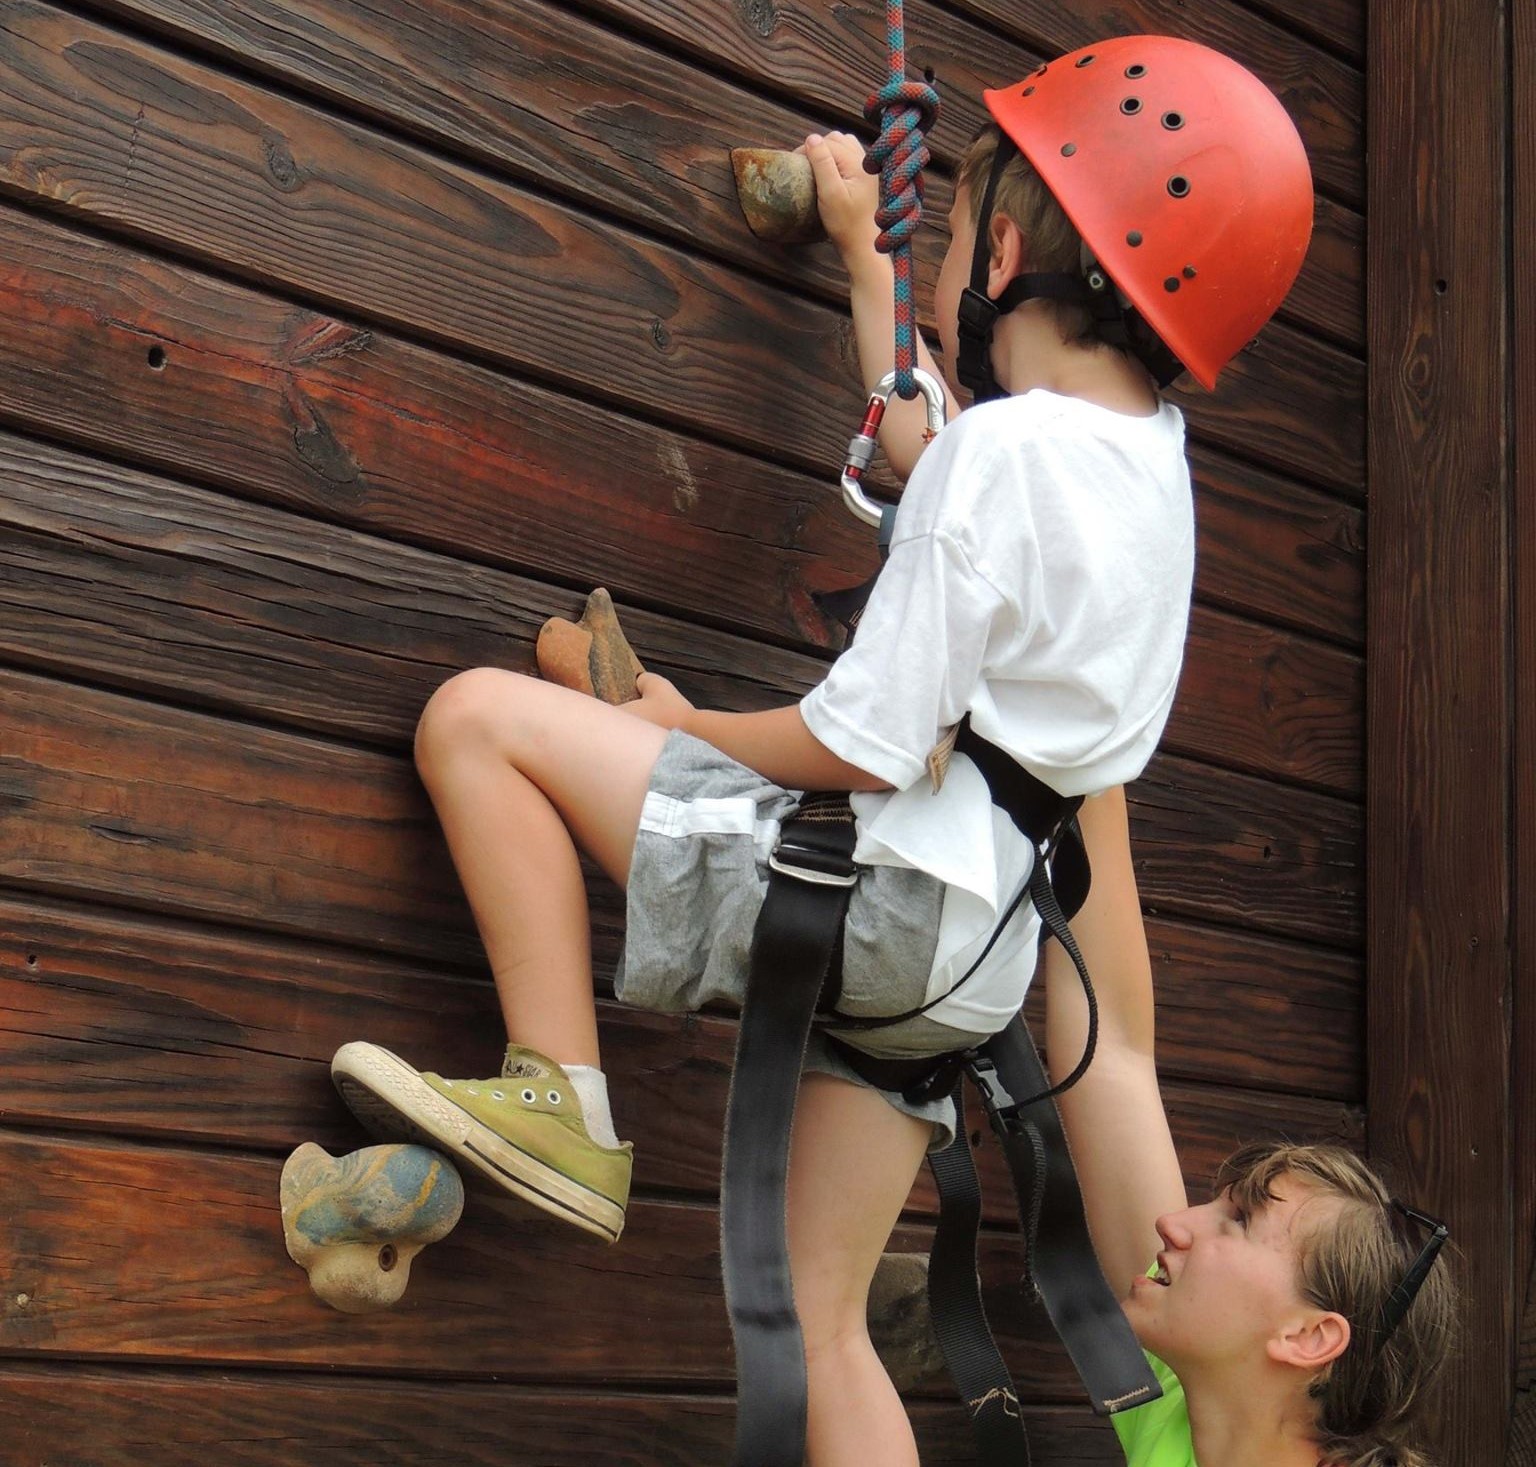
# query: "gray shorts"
696 885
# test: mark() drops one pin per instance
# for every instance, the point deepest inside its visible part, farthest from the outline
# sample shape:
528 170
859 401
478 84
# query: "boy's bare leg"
522 773
852 1163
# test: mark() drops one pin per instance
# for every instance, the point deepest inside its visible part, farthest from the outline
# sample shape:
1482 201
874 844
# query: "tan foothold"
900 1322
355 1222
592 655
777 190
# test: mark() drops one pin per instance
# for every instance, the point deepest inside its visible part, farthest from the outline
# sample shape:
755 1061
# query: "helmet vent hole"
1029 91
1131 106
1136 72
1133 238
1171 284
1068 149
1178 186
1173 121
1085 60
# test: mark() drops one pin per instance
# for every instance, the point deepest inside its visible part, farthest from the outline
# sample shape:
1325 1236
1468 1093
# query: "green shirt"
1157 1434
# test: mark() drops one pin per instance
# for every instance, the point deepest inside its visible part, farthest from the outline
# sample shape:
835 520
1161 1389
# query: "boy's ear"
1006 246
1310 1342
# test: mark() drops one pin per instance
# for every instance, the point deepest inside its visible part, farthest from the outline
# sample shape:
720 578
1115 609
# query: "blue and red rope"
904 111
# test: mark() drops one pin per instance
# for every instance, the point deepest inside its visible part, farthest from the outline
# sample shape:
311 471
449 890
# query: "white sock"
591 1087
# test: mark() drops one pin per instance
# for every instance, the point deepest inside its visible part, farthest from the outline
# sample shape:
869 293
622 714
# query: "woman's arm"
1113 1116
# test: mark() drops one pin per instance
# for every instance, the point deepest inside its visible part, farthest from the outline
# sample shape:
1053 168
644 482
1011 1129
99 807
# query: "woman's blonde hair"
1370 1396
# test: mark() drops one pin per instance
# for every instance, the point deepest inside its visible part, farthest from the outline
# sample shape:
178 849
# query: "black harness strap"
797 937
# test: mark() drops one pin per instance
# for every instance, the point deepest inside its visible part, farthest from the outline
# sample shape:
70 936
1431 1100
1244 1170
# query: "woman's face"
1227 1281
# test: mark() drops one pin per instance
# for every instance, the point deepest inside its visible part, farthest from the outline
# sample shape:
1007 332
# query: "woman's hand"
659 702
846 196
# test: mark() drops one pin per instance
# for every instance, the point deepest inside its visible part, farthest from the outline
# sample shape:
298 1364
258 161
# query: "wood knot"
281 167
761 15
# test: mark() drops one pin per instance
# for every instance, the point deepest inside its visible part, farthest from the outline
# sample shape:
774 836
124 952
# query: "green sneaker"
523 1131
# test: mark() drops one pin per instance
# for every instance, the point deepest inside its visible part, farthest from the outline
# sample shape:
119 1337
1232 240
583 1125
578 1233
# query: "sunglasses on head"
1411 1282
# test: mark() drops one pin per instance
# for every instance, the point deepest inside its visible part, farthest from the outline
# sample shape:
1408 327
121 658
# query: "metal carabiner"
861 447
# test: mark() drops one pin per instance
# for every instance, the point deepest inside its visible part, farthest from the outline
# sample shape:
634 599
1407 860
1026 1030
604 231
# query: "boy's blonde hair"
1052 243
1369 1397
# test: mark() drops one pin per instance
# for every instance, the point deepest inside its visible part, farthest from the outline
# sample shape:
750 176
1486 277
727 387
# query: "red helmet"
1184 175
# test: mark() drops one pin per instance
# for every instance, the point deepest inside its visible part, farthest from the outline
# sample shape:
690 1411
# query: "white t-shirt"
1039 578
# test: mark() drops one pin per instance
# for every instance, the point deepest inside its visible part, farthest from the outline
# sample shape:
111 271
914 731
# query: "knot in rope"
904 111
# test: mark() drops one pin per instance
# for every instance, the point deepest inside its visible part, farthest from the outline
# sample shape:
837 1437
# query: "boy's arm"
1114 1117
775 742
847 196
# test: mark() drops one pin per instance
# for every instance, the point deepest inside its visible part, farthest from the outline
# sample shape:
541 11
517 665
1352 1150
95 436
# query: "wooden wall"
342 346
1452 600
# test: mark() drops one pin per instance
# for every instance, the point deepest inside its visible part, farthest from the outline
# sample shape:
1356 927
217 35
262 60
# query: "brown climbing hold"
777 190
900 1324
354 1223
592 655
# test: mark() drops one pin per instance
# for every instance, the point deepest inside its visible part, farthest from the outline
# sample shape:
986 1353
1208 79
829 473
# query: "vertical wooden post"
1522 1438
1439 752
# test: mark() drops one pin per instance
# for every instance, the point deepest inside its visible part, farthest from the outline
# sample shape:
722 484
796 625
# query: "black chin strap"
1116 325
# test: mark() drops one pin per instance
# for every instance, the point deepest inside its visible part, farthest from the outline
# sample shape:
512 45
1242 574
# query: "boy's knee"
461 713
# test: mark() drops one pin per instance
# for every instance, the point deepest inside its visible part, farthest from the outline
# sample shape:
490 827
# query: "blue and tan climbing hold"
354 1223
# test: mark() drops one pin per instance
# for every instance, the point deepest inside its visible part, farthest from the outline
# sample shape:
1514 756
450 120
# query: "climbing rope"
904 110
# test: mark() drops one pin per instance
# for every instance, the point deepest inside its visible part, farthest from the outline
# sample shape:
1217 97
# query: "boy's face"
1228 1281
954 276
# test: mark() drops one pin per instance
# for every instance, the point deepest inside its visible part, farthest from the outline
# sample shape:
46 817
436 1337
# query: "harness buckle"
815 867
1002 1109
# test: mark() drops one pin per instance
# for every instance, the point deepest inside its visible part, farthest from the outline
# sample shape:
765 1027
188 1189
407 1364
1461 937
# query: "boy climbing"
1139 207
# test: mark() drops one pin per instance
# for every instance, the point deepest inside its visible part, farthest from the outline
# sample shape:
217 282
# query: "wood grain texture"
1440 686
1272 550
174 1033
255 612
590 113
175 1256
263 400
1523 670
827 60
195 162
186 1419
1340 24
182 812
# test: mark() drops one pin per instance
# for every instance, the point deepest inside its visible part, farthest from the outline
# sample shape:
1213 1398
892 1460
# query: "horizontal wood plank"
1272 550
590 113
828 61
256 397
391 235
186 1419
183 812
253 611
188 1034
176 1256
1270 703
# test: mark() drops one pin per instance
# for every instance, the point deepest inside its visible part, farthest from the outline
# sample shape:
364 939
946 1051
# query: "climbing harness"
1180 272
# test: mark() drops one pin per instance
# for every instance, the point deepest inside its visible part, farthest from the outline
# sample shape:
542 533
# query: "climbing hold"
592 655
778 195
900 1322
355 1222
